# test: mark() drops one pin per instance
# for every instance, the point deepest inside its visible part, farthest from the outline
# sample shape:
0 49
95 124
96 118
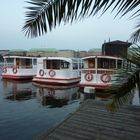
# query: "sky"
87 34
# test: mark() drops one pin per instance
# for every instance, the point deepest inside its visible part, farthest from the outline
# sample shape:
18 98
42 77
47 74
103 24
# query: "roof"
100 56
118 42
60 58
26 57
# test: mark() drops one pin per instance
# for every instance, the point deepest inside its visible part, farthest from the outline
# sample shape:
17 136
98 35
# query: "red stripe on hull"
14 77
57 78
93 85
56 81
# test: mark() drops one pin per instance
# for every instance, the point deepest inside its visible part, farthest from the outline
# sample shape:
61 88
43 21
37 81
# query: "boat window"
64 65
25 63
85 66
53 64
106 63
75 65
9 60
28 62
17 62
103 63
91 63
48 64
112 63
119 64
56 64
34 61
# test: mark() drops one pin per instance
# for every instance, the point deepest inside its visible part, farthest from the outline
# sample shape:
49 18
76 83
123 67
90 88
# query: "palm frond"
115 104
135 37
44 15
125 81
134 55
122 89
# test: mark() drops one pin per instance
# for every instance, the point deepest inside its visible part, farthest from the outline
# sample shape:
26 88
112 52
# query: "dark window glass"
119 64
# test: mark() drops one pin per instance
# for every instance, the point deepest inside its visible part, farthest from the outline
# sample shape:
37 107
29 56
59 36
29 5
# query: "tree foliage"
44 15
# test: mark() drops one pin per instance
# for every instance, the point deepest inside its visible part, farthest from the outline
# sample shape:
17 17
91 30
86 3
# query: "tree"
44 15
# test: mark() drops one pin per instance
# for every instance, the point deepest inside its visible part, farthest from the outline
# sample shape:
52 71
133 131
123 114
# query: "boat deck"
92 121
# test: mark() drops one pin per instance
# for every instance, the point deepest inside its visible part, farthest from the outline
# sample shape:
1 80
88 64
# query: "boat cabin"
19 67
58 70
98 71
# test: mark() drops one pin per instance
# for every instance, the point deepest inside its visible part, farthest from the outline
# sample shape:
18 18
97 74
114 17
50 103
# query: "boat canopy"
101 56
24 57
102 62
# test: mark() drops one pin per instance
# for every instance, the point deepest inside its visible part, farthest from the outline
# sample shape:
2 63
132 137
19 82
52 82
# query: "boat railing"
7 65
19 66
100 71
89 71
25 67
107 71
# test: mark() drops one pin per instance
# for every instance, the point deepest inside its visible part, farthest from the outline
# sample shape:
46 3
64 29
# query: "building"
116 48
67 53
4 52
42 52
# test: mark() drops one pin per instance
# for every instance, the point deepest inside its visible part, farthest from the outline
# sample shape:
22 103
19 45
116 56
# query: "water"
28 110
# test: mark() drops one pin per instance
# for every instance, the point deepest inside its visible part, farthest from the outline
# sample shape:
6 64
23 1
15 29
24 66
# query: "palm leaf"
134 55
125 81
119 100
122 89
44 15
136 35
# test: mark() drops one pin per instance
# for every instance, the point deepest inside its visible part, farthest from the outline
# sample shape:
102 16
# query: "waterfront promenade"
92 121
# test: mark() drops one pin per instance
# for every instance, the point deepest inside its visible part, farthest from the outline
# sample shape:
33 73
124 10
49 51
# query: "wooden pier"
92 121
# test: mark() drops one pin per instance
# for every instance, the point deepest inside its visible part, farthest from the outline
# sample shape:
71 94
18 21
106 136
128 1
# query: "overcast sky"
84 35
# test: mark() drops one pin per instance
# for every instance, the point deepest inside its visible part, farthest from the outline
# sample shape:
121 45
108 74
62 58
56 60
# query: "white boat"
58 70
19 67
98 72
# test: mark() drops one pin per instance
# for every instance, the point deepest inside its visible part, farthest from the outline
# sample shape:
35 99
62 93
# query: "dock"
92 121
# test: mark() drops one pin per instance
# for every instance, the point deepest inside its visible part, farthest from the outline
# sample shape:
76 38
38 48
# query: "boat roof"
101 56
14 56
60 58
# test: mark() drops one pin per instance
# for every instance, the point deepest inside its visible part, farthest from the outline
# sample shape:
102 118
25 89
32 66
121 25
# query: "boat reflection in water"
56 96
18 90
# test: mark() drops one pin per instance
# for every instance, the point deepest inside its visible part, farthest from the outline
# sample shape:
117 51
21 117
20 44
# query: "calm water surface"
28 110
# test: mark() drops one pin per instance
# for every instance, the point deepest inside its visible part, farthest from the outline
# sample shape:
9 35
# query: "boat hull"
100 86
56 81
18 77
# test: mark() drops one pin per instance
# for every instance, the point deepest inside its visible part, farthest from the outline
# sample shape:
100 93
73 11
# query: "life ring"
41 72
4 69
52 73
106 78
88 76
14 70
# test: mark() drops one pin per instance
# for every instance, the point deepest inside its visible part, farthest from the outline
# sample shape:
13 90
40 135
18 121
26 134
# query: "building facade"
115 48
